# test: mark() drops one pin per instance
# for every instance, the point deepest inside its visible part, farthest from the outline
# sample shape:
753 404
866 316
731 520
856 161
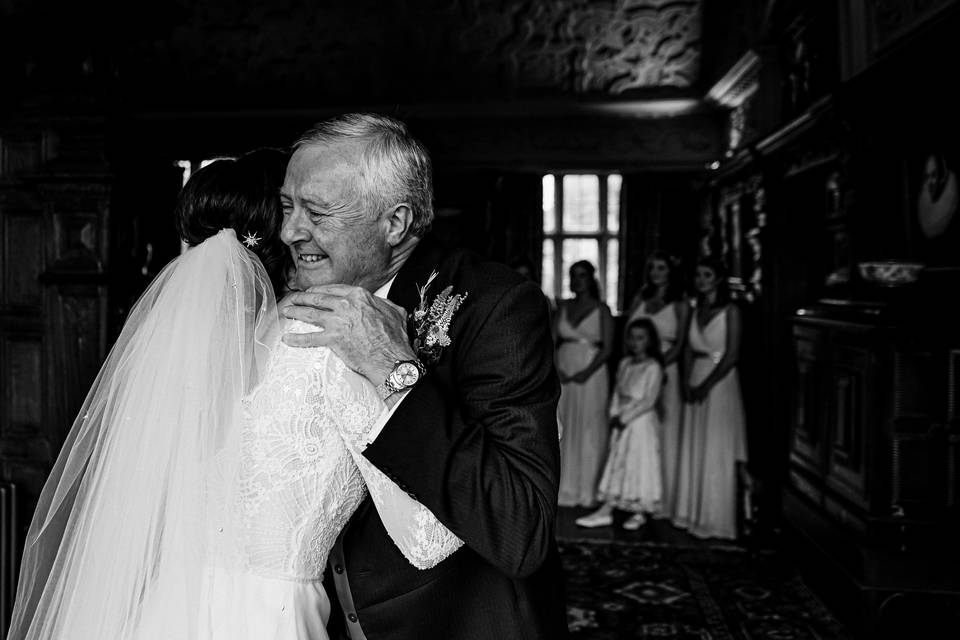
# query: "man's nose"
294 228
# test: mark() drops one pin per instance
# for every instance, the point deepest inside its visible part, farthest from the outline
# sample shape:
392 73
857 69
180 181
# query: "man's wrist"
403 375
382 369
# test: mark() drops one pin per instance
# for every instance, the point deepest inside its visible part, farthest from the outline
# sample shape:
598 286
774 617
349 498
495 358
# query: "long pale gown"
631 476
713 440
582 410
301 478
671 420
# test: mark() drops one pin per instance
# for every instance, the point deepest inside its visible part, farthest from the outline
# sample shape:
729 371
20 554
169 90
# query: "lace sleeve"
423 540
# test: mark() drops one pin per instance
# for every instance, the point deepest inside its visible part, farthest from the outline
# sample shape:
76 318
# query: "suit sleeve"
479 447
355 405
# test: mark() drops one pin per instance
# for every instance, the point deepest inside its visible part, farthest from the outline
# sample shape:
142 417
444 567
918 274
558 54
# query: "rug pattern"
650 590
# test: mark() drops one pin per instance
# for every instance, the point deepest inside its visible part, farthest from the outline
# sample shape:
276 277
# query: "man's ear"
399 220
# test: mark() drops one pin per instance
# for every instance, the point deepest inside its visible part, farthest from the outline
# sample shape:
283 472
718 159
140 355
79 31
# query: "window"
188 167
581 221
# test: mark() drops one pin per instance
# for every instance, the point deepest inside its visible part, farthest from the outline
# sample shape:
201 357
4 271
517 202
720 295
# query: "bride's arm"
355 406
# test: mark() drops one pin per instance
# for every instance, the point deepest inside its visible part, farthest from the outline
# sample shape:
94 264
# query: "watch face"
407 373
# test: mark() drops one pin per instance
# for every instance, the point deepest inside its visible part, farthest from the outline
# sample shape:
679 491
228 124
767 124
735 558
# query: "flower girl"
631 477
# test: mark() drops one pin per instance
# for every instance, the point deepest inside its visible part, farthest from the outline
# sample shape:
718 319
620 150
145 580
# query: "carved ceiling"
284 52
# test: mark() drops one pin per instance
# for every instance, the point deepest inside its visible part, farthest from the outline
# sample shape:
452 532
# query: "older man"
471 430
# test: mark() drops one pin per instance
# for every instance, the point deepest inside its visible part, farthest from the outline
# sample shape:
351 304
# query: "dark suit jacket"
476 442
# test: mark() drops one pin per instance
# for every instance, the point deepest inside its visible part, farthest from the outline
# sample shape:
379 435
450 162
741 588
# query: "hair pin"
251 240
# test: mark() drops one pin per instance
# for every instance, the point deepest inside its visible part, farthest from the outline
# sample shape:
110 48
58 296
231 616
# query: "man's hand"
368 333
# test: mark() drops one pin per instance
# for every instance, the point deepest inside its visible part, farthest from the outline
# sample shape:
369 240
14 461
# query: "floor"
756 553
655 530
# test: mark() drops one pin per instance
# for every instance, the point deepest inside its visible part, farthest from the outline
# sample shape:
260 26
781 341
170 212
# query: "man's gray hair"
394 166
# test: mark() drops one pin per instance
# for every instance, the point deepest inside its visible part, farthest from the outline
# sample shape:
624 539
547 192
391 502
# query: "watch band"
385 389
391 386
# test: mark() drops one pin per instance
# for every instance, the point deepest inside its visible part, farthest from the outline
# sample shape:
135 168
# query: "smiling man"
471 429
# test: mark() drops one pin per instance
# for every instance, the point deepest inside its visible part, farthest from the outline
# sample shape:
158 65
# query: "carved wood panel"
19 152
22 262
848 421
22 378
953 428
76 347
808 447
920 456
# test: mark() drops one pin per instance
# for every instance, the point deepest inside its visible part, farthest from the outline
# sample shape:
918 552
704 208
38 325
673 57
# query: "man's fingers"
309 315
315 299
333 289
328 295
313 339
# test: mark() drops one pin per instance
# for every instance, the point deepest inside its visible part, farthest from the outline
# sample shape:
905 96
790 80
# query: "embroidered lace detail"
423 540
354 400
298 483
302 474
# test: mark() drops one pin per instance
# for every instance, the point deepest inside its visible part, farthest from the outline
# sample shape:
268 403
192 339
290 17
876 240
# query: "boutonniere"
431 323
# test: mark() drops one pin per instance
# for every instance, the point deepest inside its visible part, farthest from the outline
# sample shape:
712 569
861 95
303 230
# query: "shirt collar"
385 289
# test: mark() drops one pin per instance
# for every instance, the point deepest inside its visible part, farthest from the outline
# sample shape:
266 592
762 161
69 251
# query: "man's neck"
397 259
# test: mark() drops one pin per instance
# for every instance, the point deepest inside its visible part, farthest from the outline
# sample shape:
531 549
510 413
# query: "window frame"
603 235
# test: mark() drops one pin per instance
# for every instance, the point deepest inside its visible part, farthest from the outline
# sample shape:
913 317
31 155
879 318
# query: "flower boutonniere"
431 323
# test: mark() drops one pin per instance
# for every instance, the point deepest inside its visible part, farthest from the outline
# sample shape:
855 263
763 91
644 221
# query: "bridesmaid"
714 434
584 328
662 300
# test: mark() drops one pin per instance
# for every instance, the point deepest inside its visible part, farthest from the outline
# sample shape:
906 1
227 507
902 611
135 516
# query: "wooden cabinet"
871 494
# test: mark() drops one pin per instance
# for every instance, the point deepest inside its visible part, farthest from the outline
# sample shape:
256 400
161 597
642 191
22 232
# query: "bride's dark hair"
242 194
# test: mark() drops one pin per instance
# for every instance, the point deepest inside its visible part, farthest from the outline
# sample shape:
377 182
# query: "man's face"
331 239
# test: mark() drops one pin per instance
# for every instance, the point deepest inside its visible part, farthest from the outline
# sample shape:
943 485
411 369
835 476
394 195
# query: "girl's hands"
579 377
698 393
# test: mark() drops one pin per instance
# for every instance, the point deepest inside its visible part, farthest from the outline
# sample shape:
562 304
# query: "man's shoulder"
482 275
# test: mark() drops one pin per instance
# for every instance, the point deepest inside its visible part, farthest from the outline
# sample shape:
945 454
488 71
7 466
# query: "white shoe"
634 522
595 520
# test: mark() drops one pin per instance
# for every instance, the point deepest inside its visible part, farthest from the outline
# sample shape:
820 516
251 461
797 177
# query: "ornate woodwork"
871 478
733 231
54 206
293 54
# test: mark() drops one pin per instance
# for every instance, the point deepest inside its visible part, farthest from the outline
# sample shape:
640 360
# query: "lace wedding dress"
208 475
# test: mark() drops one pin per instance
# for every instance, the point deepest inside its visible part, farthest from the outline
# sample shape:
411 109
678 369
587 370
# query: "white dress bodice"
665 320
709 342
299 483
303 474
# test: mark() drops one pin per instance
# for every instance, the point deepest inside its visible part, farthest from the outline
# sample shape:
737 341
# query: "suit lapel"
426 257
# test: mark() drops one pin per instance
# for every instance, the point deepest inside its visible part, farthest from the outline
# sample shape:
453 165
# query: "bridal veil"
135 519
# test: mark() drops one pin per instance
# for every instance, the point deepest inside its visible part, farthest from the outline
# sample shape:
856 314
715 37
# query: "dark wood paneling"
808 447
22 262
21 373
884 510
849 421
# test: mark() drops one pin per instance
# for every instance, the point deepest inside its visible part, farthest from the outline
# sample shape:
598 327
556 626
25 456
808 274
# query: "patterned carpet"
650 590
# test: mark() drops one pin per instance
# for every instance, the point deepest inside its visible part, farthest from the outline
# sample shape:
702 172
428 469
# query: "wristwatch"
405 374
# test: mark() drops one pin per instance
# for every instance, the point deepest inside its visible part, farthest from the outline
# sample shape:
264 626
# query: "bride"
210 469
